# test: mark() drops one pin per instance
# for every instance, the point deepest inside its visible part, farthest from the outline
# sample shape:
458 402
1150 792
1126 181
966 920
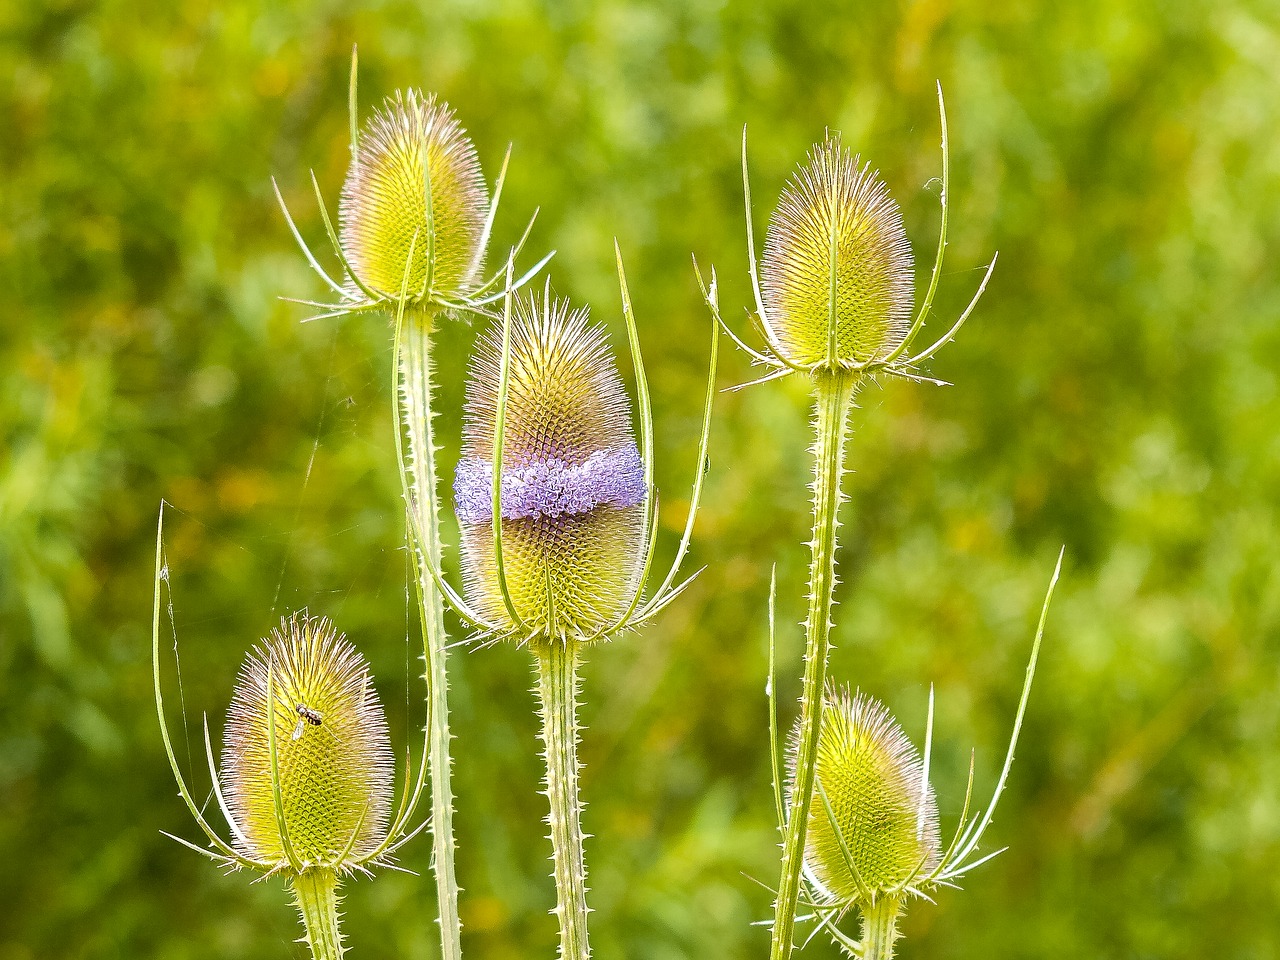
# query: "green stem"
416 374
315 891
880 929
558 695
834 393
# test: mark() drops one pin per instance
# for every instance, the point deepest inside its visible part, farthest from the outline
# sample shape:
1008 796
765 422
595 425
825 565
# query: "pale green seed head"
838 278
333 752
573 483
384 200
873 780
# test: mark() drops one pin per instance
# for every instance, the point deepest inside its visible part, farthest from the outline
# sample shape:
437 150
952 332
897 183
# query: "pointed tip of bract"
332 750
876 837
573 481
838 275
409 143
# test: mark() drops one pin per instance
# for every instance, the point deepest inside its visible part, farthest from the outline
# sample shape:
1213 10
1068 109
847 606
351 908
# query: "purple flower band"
551 487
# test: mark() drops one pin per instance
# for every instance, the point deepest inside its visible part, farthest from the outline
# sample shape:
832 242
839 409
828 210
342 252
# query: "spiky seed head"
333 752
873 779
573 482
409 145
836 256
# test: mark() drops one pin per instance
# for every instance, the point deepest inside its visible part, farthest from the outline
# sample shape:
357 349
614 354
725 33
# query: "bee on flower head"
314 808
306 673
298 803
305 716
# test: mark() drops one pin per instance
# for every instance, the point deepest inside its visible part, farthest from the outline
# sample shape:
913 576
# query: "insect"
305 715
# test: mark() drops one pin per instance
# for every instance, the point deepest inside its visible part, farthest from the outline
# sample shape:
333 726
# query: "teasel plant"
307 775
557 555
874 838
833 303
414 221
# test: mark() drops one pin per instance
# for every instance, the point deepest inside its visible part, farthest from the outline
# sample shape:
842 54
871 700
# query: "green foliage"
1116 391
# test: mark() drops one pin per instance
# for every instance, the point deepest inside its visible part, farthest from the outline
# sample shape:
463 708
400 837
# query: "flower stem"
416 375
315 891
557 663
880 929
834 394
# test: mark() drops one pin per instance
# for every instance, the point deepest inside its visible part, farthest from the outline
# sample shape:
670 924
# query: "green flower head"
874 826
561 548
306 776
872 839
414 217
834 293
838 273
306 761
414 203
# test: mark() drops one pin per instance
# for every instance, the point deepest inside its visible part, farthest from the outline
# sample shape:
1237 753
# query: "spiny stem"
880 929
833 393
416 374
557 662
315 891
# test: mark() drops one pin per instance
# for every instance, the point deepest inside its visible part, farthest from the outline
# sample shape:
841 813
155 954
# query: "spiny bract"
838 272
333 752
415 181
573 482
873 778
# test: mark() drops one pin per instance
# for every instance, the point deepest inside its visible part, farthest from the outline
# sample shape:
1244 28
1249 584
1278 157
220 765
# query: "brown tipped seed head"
838 273
573 482
411 143
873 779
333 753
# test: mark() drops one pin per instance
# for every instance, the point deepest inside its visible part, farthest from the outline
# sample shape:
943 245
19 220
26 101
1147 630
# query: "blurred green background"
1116 392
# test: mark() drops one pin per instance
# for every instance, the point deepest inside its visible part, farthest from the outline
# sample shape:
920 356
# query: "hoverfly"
305 716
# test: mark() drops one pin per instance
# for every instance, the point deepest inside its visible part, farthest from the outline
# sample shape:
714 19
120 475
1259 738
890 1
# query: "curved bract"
414 184
573 481
837 271
306 692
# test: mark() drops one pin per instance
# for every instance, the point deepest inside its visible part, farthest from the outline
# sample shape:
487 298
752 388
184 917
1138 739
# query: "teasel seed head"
876 830
838 278
325 800
414 183
573 483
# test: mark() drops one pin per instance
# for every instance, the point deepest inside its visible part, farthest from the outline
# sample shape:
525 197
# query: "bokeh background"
1116 392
